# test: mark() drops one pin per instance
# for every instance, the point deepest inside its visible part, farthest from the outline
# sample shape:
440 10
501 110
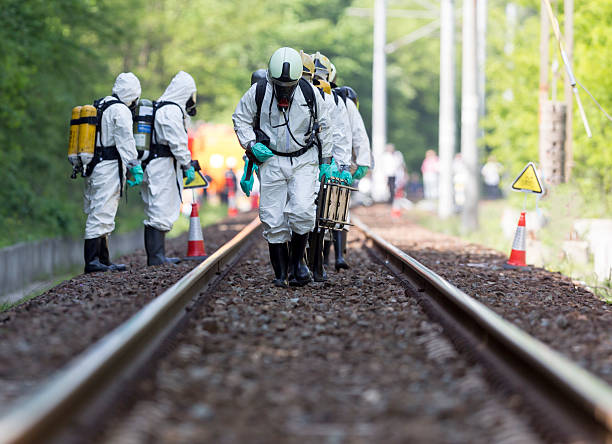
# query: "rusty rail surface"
39 416
577 403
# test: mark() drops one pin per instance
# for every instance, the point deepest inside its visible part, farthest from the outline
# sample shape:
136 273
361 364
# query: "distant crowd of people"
426 185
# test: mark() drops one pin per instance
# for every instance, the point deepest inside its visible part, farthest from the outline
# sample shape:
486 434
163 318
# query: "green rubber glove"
261 151
247 185
137 174
335 172
347 177
360 173
324 171
190 175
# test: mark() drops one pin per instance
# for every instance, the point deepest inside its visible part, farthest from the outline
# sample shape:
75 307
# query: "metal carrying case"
333 204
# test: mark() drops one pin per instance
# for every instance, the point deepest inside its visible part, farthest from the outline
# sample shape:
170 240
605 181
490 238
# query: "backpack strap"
102 152
343 93
160 148
157 149
309 95
260 92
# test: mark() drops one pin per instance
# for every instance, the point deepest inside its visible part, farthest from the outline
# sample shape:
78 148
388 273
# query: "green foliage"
512 94
50 62
63 53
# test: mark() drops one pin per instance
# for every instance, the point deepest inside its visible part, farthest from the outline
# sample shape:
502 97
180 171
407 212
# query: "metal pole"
469 117
379 99
446 127
543 94
481 18
569 116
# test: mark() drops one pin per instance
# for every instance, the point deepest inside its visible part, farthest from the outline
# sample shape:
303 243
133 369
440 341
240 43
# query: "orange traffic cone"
231 203
517 255
195 244
395 206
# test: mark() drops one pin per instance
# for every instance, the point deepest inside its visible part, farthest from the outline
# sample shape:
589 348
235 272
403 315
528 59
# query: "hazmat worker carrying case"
333 204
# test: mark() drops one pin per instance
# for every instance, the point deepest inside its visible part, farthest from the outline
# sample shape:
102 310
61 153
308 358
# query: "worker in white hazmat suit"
361 160
169 156
361 149
289 166
341 151
115 152
316 68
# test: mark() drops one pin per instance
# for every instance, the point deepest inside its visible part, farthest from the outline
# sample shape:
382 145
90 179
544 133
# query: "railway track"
80 390
576 405
561 393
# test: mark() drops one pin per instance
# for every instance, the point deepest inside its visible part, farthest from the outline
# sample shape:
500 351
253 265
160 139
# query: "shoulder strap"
335 93
308 92
156 107
260 92
101 107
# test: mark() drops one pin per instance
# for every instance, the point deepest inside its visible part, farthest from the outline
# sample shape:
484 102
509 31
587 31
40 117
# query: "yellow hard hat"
322 66
308 66
322 84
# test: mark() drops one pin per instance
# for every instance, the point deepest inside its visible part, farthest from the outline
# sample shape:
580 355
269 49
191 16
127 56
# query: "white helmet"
284 72
332 75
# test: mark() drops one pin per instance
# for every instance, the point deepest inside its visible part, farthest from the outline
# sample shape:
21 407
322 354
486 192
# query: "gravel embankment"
353 360
548 306
43 334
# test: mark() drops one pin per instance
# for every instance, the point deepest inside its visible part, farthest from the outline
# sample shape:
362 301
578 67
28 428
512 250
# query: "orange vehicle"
217 149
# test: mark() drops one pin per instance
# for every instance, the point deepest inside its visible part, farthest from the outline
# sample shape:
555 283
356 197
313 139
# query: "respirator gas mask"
190 106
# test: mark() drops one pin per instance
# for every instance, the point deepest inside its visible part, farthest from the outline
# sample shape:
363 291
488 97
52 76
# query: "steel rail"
38 417
577 394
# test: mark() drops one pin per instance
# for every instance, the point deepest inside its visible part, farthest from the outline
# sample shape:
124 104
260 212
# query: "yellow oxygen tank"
73 141
87 134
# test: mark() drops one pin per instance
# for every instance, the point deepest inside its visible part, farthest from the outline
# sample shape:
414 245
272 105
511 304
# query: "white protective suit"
342 135
288 185
102 187
162 181
362 153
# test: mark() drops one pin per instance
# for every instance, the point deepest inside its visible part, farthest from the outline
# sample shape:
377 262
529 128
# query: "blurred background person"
491 175
459 178
387 164
429 169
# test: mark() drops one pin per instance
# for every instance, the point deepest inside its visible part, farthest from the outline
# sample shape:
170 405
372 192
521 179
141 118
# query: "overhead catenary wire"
570 74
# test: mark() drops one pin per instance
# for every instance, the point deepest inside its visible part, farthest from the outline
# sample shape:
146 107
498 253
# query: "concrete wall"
25 263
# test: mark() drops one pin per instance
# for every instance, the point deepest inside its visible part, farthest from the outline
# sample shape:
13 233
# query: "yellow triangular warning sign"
528 180
199 181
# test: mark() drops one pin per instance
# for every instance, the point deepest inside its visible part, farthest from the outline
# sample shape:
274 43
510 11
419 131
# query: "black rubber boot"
91 253
105 256
318 269
279 257
155 241
338 247
299 275
326 247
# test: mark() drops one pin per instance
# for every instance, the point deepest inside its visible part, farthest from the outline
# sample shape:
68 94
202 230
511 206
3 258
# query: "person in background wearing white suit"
163 169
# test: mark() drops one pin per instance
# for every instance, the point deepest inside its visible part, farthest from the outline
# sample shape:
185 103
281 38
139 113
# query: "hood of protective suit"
127 87
180 89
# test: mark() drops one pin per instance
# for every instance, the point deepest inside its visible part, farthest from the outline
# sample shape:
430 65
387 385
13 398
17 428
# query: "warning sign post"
528 181
199 181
